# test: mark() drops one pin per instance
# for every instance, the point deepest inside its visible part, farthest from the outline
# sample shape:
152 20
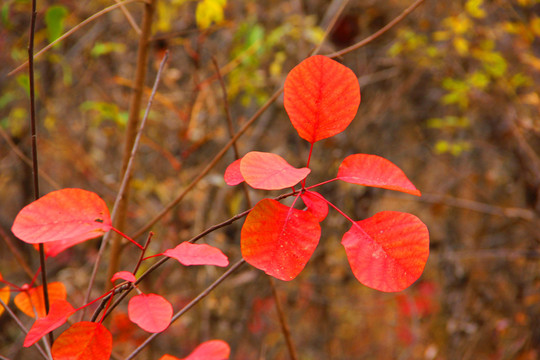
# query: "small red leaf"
169 357
269 171
124 275
233 176
321 97
32 299
58 314
210 350
83 341
4 295
278 239
197 254
387 251
69 215
315 204
153 313
376 171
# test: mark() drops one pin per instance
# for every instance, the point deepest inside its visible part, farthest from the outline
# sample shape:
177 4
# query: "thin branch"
129 18
16 253
193 302
126 176
375 35
71 31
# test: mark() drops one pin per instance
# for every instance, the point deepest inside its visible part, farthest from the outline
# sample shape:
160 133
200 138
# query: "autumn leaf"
373 170
278 239
210 350
124 275
83 341
153 313
388 251
232 175
58 314
321 97
315 204
197 254
69 216
32 298
269 171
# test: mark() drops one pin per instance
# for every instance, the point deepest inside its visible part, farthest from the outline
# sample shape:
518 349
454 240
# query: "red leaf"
210 350
278 239
4 295
376 171
233 176
169 357
70 215
151 312
321 97
197 254
83 341
32 299
58 314
124 275
269 171
388 251
315 204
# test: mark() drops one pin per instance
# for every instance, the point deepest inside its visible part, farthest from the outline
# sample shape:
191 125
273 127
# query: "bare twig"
126 176
20 259
193 302
71 31
128 16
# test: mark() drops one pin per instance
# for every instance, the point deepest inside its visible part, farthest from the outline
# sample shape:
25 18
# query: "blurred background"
450 95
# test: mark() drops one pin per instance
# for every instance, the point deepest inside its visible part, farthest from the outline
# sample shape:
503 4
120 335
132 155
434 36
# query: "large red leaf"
69 215
197 254
321 97
315 204
232 175
151 312
387 251
32 299
58 314
210 350
278 239
376 171
83 341
269 171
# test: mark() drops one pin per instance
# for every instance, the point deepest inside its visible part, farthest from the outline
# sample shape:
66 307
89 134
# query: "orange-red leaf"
197 254
232 175
32 299
387 251
169 357
321 97
269 171
278 239
4 295
69 215
210 350
153 313
315 204
376 171
58 314
124 275
83 341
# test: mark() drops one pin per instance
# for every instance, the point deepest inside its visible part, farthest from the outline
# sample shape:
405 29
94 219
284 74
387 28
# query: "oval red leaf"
83 340
269 171
315 204
321 97
69 215
232 175
32 299
153 313
278 239
197 254
210 350
376 171
124 275
388 251
58 314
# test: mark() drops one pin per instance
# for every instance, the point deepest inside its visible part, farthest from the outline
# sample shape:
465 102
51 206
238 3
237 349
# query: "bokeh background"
450 95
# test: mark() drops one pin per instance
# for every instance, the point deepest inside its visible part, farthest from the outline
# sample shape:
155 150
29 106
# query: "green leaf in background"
54 19
103 48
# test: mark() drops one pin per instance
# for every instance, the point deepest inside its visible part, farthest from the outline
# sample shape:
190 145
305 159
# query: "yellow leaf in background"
535 25
208 12
474 9
461 45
